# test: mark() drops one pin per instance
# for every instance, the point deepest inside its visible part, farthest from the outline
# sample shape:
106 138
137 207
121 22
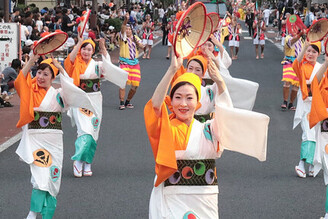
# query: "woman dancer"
319 120
86 74
306 67
41 145
185 149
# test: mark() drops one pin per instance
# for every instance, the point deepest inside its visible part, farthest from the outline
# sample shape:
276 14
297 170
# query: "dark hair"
315 47
199 62
16 64
180 84
43 66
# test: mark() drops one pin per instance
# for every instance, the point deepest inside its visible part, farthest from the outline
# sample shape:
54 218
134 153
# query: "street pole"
6 10
93 15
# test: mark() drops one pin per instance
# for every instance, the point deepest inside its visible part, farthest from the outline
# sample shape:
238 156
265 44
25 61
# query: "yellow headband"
91 42
49 62
190 78
318 44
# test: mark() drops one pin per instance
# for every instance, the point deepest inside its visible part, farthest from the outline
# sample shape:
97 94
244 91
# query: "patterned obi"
204 118
194 173
46 120
324 125
90 85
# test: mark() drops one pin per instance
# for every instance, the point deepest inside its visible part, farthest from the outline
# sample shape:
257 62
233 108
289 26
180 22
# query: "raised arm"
296 38
215 75
163 86
76 49
304 48
27 67
126 19
218 44
102 46
322 69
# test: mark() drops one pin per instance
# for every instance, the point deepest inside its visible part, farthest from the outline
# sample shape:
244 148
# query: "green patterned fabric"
85 148
307 151
44 203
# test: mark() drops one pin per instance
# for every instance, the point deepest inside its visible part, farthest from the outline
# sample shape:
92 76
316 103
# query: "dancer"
306 67
292 48
234 38
86 74
129 44
319 120
259 38
185 150
41 145
171 28
147 36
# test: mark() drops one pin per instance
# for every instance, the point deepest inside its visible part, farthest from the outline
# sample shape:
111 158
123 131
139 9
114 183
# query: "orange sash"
31 95
75 69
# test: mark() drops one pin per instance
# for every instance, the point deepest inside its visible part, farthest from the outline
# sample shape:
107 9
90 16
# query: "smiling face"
311 55
86 52
44 78
196 68
184 103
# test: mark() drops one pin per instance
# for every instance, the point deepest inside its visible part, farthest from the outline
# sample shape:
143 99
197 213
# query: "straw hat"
317 31
50 42
207 31
215 19
190 29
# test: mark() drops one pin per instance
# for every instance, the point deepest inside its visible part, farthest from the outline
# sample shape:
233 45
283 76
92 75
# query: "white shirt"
267 12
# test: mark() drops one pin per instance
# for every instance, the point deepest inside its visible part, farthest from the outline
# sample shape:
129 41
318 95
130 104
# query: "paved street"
124 166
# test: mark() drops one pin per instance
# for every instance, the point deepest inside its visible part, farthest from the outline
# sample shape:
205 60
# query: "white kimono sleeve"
240 130
113 73
72 95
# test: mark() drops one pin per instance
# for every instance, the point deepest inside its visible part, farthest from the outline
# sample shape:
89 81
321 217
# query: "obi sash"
194 173
90 85
46 120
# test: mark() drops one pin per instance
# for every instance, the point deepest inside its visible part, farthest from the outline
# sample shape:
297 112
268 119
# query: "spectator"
38 22
266 13
57 25
67 23
23 32
15 14
9 76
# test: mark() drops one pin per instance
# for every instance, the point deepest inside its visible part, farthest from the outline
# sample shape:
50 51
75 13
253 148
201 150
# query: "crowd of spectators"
35 21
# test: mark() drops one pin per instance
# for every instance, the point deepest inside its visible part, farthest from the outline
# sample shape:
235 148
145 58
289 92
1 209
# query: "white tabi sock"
301 165
87 167
31 215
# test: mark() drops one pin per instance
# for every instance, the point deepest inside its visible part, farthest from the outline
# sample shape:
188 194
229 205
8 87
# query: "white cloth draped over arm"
242 92
113 73
73 96
226 60
240 130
